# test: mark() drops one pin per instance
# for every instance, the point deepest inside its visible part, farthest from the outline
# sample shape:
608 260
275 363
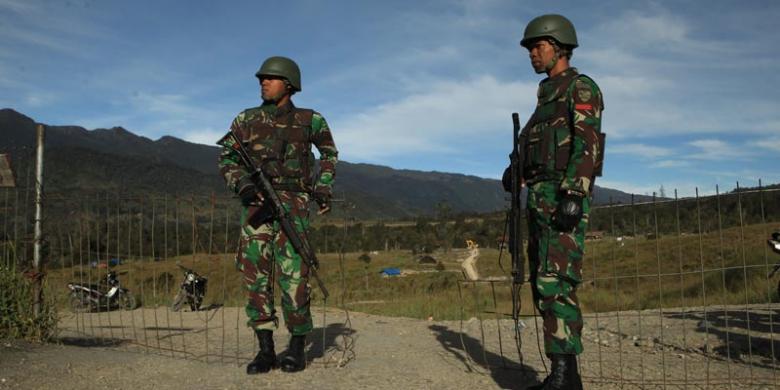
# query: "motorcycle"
106 295
191 291
774 243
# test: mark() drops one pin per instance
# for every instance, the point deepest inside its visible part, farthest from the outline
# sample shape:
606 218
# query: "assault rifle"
516 161
278 212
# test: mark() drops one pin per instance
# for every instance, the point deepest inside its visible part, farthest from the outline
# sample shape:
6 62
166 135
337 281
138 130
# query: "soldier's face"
272 88
541 54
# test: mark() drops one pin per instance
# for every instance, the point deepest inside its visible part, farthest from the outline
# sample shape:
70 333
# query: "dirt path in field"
157 349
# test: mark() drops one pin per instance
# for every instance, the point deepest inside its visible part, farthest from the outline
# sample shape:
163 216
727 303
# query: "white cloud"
635 28
426 122
208 136
172 104
640 150
18 7
152 115
53 20
663 74
715 149
771 144
671 164
685 188
39 99
628 187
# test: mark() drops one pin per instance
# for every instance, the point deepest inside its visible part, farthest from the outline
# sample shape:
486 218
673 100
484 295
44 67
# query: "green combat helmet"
552 26
281 67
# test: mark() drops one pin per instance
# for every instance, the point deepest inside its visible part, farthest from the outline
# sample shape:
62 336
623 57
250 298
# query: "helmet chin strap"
550 65
278 97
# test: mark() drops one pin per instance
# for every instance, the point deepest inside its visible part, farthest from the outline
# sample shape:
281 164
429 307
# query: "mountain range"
115 159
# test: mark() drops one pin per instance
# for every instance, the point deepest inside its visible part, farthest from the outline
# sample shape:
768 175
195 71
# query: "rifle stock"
300 244
516 159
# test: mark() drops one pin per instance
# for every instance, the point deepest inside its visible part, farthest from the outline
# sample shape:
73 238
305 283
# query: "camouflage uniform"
561 156
279 140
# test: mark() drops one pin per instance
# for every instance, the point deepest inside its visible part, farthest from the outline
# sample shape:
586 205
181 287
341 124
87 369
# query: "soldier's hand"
323 201
506 179
323 210
568 213
249 195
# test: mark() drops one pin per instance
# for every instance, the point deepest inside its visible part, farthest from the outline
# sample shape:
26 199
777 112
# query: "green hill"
116 160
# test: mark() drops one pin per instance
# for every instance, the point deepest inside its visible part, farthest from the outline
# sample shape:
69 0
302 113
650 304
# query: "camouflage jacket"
279 140
563 136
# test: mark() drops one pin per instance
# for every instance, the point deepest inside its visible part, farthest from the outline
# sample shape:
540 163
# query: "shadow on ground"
337 338
737 345
506 373
89 342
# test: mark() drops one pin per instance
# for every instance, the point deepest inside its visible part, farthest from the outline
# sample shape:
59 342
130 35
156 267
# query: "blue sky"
691 89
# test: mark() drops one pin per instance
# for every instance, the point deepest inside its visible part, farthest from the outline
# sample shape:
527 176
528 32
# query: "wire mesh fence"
676 291
677 294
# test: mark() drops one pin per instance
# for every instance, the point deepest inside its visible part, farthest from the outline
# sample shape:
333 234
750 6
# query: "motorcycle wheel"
127 301
78 304
177 301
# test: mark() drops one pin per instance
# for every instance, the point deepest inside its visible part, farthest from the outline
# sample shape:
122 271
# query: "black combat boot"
563 374
266 359
295 359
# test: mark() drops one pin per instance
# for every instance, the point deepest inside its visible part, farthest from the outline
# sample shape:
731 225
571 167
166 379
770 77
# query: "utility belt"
531 177
283 179
291 187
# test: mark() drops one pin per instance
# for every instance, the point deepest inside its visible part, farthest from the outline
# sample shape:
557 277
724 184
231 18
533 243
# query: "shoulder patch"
583 89
584 95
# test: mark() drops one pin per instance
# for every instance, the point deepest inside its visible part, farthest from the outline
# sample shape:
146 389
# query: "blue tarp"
390 271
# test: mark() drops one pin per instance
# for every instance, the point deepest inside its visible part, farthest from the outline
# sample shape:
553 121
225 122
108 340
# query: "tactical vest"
282 147
548 133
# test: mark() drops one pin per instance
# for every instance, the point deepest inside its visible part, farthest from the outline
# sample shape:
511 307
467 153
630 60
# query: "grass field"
634 273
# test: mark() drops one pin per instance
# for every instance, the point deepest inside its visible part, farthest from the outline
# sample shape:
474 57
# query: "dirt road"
157 349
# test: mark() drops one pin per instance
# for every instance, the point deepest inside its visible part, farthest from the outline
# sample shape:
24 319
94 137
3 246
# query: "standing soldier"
563 155
278 136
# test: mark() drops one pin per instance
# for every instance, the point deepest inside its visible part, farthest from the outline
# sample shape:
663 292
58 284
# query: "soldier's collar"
552 87
286 108
566 73
272 109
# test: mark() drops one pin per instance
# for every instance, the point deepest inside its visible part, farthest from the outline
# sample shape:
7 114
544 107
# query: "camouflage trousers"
555 264
266 255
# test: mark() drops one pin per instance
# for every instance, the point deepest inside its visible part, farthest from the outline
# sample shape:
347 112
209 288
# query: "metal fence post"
37 290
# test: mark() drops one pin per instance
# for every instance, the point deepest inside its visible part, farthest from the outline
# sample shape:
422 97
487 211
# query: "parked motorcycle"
191 291
774 243
106 295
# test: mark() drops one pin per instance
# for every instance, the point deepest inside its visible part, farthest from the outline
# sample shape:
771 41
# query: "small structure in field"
469 265
594 235
390 271
426 259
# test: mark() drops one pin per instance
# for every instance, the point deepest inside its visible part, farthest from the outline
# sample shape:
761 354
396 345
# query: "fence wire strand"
677 294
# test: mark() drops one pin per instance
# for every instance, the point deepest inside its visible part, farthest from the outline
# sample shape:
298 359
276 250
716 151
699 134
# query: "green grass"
616 278
17 317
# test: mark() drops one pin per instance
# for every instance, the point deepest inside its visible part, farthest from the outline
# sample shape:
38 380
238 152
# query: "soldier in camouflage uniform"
278 136
563 155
